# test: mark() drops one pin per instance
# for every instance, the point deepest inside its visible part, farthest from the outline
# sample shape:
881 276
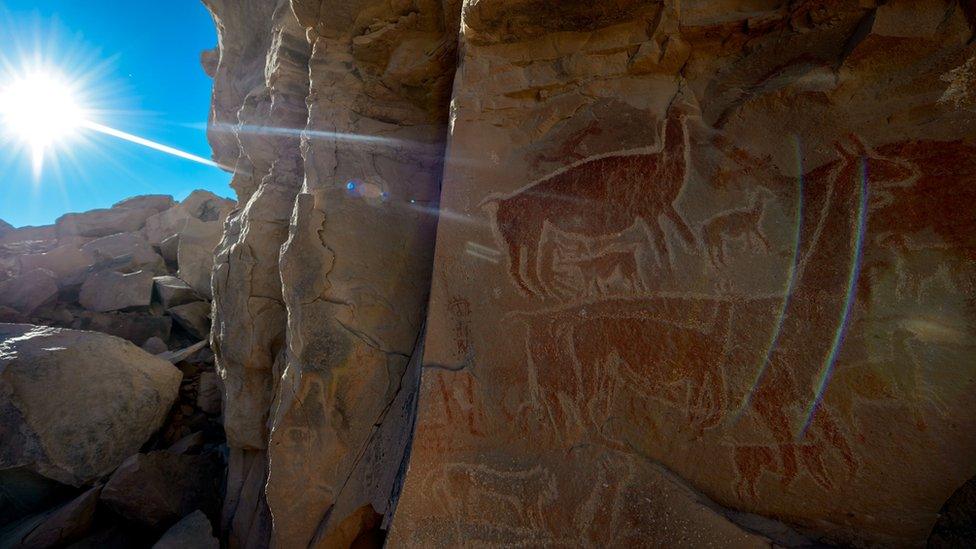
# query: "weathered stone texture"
351 210
710 236
701 270
74 404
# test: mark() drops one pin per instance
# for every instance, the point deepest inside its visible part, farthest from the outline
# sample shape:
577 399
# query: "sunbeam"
94 126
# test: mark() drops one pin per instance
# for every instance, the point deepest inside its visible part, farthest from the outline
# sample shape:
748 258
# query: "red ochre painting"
770 381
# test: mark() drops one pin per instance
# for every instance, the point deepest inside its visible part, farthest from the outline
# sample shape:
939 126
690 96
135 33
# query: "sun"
40 109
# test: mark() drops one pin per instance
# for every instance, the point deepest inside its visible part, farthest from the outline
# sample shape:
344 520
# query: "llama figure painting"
599 197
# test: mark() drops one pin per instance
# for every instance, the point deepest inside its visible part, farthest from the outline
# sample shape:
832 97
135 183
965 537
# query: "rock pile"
139 270
103 442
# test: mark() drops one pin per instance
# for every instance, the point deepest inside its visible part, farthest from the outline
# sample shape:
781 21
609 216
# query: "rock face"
352 222
659 278
74 404
696 264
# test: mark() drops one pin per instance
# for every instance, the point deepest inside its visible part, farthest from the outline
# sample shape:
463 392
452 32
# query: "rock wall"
335 123
700 271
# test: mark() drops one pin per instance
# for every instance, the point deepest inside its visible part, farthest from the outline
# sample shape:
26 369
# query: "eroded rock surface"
699 273
322 277
715 237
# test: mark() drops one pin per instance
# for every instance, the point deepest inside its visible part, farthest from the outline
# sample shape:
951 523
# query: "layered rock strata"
699 270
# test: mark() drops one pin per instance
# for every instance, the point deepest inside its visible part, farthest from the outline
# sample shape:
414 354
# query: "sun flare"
40 110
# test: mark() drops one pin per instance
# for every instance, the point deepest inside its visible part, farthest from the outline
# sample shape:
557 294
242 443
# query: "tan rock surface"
193 317
200 207
722 241
113 291
260 87
700 269
74 404
27 292
104 222
170 291
195 255
355 264
158 202
133 245
68 262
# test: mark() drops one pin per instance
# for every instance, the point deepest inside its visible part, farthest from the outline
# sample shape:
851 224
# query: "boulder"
191 532
206 206
169 248
113 291
67 262
134 245
74 404
24 492
157 202
193 317
67 524
208 393
44 233
136 326
158 488
171 291
104 222
198 208
154 346
191 443
30 290
195 255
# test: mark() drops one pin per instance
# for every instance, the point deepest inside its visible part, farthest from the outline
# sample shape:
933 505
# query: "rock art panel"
734 263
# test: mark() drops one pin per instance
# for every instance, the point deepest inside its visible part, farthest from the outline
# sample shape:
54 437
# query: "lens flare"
790 284
855 269
40 110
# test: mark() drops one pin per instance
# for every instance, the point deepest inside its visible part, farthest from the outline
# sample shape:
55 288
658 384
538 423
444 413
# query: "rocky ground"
109 403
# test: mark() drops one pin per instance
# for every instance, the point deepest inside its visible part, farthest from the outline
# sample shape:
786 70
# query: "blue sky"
141 74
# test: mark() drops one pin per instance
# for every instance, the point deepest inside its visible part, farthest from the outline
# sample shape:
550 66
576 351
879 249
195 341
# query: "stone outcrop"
698 270
74 404
121 283
322 276
712 237
73 407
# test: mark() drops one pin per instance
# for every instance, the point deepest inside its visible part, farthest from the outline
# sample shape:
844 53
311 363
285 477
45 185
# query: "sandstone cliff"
702 270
